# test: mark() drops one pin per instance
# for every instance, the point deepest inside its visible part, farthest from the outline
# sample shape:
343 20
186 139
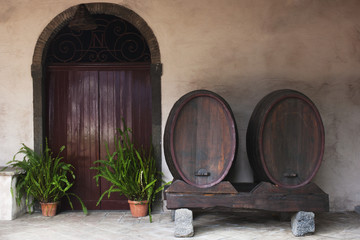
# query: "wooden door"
86 105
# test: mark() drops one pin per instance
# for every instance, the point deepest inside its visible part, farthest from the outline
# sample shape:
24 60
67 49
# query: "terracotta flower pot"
138 208
49 209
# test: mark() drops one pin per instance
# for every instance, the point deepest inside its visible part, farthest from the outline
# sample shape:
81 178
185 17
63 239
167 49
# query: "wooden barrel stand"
285 146
263 196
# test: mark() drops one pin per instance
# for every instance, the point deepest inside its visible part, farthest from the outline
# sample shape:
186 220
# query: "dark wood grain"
285 139
200 139
264 196
86 105
179 186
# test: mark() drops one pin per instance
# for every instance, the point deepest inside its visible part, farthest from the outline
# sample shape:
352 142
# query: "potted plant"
131 172
47 179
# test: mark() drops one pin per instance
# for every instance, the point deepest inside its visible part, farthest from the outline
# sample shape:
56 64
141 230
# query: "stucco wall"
240 49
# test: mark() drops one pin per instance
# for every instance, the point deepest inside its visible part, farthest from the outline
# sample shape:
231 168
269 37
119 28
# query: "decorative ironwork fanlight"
113 41
82 19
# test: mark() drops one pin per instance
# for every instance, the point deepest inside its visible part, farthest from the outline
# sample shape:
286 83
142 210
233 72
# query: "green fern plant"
46 178
131 172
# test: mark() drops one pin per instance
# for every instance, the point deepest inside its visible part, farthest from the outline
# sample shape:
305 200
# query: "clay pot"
49 209
138 208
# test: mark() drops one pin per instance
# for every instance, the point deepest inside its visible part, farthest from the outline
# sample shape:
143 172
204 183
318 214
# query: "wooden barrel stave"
200 139
285 139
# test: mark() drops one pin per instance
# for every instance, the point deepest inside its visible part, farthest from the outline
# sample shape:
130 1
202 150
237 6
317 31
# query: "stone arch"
38 67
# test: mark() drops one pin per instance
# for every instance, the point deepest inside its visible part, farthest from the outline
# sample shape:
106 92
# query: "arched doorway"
92 77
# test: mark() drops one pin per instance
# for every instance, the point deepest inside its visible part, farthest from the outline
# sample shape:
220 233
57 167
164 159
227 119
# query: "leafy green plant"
46 178
131 172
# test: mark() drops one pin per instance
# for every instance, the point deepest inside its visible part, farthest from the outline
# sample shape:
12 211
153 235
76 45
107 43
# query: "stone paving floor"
98 225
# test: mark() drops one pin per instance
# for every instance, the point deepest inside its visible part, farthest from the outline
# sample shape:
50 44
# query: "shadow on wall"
244 98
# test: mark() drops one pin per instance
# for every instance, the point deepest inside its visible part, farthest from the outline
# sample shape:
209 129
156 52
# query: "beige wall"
240 49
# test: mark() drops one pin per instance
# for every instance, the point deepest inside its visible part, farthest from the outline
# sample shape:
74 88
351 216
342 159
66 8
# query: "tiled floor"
208 225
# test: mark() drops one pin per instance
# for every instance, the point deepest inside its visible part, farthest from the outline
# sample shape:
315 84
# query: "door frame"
38 68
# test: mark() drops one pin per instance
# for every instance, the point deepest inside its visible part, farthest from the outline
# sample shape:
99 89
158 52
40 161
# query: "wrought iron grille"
115 40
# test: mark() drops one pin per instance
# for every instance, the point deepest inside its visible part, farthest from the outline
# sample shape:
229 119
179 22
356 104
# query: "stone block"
184 223
9 209
303 223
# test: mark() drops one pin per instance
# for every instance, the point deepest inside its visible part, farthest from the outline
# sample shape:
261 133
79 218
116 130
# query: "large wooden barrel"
285 139
200 139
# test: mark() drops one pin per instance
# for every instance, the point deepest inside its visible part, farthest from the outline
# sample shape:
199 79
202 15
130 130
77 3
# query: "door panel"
73 121
141 108
123 94
112 98
82 133
85 107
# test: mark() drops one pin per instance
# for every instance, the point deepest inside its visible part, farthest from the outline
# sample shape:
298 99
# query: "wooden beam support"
264 196
179 186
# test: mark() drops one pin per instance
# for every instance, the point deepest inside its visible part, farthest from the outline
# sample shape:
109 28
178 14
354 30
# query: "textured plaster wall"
240 49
